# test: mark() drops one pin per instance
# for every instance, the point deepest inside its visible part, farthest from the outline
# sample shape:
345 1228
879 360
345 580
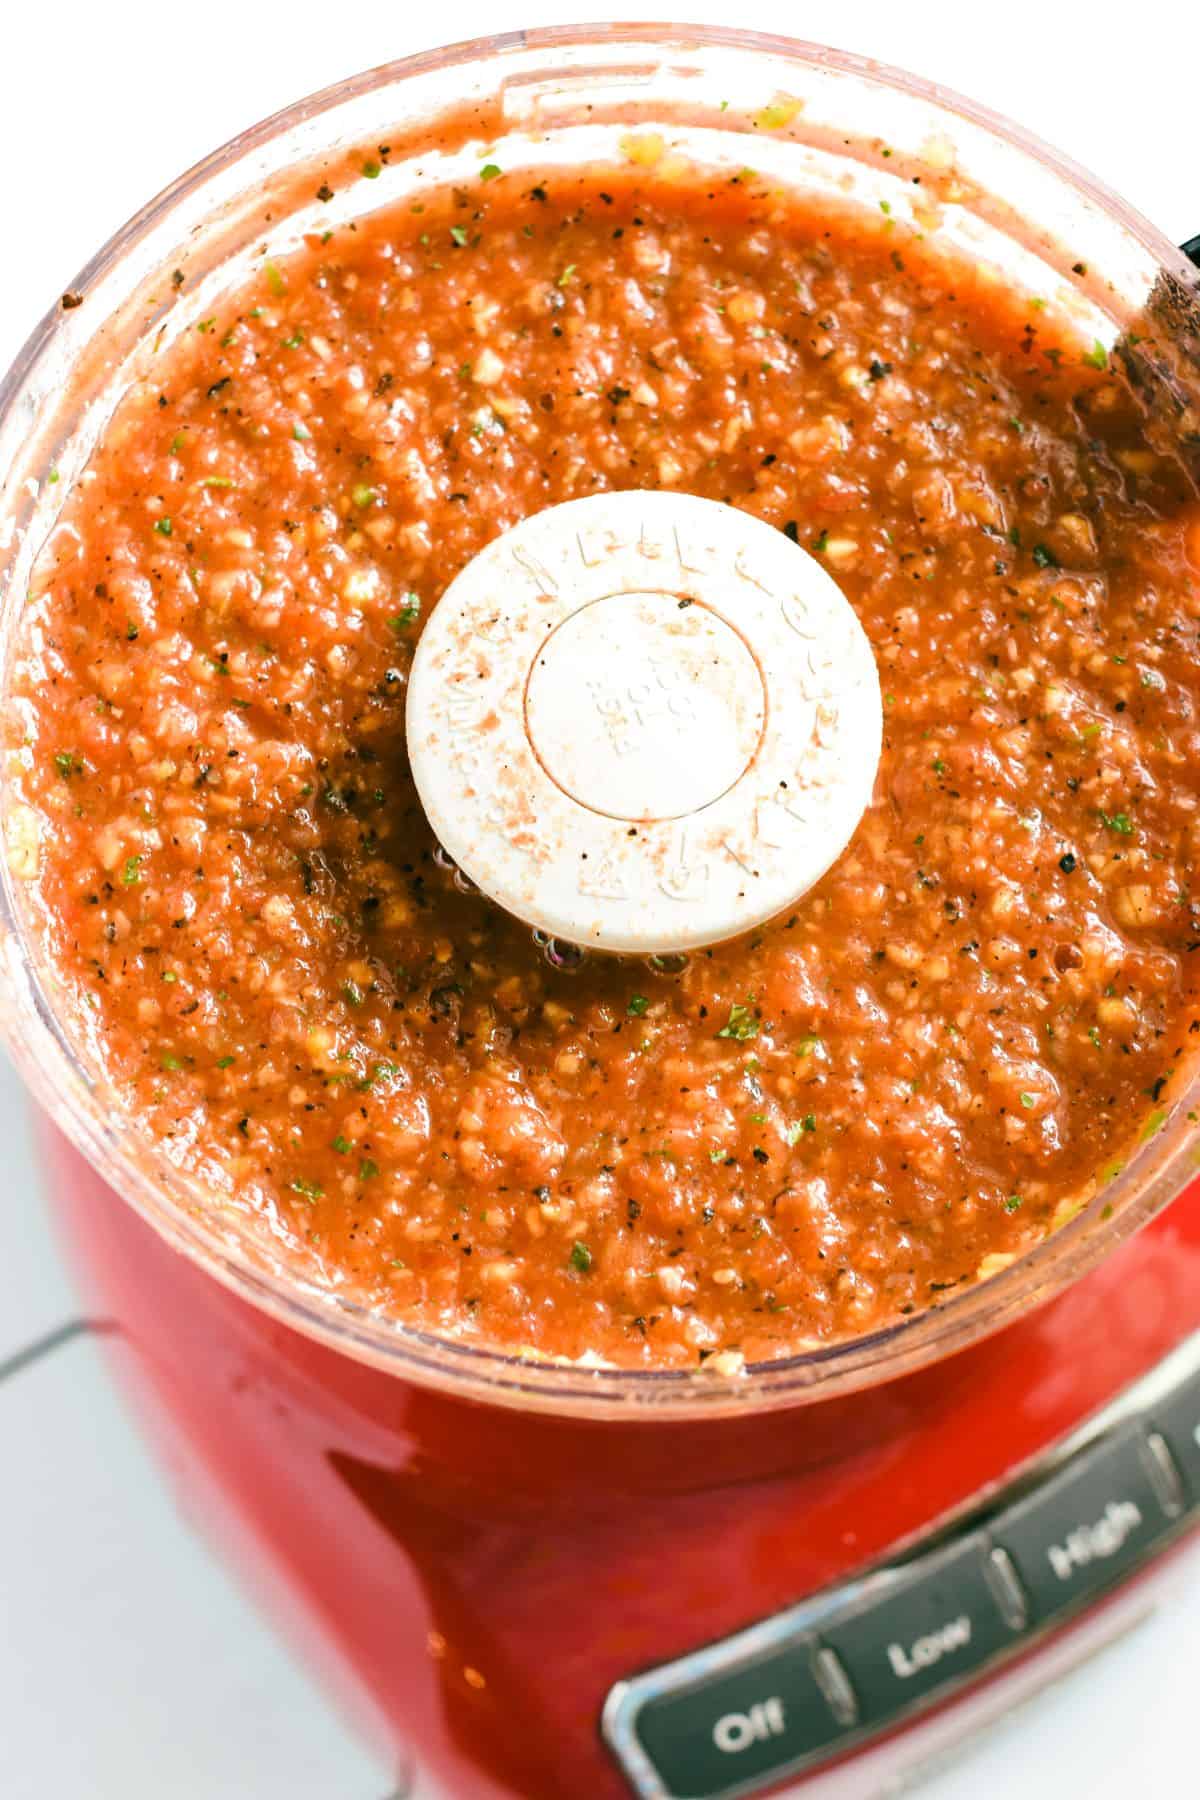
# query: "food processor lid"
864 132
644 722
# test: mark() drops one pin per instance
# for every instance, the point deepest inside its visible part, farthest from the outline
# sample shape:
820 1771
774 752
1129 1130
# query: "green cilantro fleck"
171 1064
1044 557
131 873
1097 356
638 1006
163 527
362 495
408 615
367 1170
342 1145
1028 1100
226 1062
1120 822
274 279
352 993
581 1257
372 169
308 1190
1012 1204
820 541
68 764
1154 1123
379 1072
458 234
567 276
808 1045
741 1024
490 172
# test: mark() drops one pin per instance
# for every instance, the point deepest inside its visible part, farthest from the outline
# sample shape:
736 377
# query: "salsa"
908 1080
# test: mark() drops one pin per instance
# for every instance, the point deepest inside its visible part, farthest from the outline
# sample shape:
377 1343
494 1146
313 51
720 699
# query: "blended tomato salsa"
902 1084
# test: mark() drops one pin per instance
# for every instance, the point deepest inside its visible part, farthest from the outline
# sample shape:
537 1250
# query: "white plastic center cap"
644 721
659 747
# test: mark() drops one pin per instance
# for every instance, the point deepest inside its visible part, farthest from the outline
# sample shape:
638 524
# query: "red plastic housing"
474 1579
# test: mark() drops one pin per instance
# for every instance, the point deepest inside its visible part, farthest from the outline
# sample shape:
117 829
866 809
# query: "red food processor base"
477 1580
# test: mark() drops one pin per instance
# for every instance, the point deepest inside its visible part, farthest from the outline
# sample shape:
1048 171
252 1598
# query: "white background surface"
130 1668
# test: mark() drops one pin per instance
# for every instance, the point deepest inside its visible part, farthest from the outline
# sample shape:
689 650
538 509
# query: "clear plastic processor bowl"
813 119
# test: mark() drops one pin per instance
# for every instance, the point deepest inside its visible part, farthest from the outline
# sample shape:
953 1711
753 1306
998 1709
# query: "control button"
936 1623
1084 1528
1164 1475
742 1723
834 1683
1178 1419
1005 1584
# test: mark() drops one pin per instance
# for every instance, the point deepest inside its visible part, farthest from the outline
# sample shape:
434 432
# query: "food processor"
556 1580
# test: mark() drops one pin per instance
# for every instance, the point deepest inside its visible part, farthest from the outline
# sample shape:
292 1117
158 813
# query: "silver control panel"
855 1660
